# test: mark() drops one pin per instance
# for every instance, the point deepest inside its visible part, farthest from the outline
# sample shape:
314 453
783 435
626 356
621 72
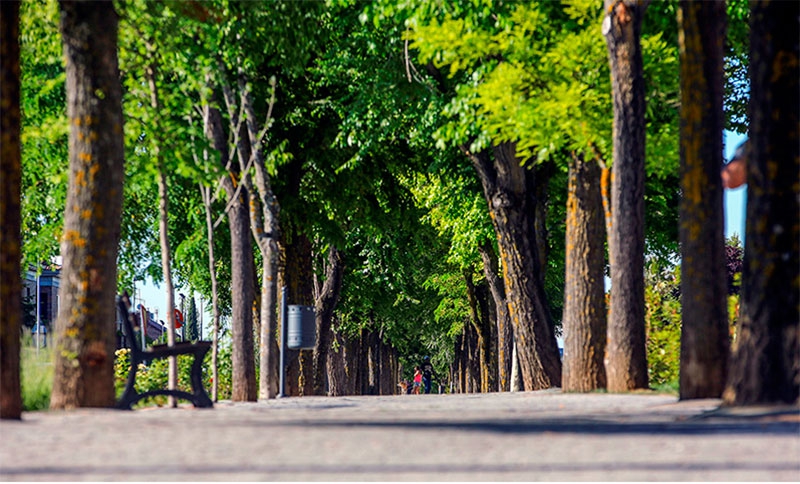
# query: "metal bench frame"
198 396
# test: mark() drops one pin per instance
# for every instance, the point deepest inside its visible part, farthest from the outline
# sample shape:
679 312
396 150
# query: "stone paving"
528 436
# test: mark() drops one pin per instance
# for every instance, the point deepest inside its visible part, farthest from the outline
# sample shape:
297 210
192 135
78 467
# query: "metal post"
38 306
282 389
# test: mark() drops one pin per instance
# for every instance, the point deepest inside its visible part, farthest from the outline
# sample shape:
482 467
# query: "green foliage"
155 375
663 324
44 131
36 376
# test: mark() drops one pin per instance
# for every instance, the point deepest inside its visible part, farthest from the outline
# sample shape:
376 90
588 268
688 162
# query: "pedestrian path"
511 436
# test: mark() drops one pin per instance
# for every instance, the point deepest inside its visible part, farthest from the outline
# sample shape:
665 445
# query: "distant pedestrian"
417 380
427 373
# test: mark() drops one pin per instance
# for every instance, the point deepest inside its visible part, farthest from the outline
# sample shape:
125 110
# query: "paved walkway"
513 436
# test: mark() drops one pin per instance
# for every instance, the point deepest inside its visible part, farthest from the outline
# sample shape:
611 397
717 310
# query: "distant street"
513 436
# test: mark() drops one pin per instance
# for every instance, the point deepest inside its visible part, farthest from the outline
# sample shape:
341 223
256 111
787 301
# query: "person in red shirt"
417 380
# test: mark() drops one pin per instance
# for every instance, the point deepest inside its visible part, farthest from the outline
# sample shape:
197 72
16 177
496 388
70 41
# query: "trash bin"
301 331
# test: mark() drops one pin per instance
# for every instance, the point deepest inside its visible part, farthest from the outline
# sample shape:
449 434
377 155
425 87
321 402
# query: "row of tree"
342 142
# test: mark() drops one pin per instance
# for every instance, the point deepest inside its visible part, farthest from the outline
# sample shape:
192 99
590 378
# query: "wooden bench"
198 396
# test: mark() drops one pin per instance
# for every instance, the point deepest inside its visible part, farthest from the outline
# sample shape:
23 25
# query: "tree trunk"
243 294
242 266
264 223
387 382
85 339
212 264
325 305
458 364
337 365
10 214
488 344
163 229
507 192
354 364
299 280
626 366
505 335
584 298
766 364
704 292
212 124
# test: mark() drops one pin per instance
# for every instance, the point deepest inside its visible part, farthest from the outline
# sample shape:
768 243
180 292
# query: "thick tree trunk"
10 214
507 192
388 382
243 294
584 298
325 305
704 335
626 366
85 339
766 364
505 335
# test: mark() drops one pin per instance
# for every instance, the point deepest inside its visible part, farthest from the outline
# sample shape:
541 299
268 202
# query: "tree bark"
766 364
325 305
337 364
489 332
243 294
626 366
584 298
85 339
511 202
704 335
242 287
505 335
299 280
10 214
265 226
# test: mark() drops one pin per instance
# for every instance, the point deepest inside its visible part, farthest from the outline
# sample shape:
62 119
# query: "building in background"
41 294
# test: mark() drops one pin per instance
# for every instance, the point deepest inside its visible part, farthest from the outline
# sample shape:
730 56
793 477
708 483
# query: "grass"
37 377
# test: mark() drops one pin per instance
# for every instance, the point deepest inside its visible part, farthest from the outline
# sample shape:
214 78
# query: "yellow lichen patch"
86 214
80 179
93 171
85 157
88 120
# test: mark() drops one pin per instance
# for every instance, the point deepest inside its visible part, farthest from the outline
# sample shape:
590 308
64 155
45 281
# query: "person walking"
427 373
417 380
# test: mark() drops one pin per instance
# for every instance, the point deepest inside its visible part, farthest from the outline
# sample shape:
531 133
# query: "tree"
84 359
626 366
242 287
704 337
10 214
584 298
766 362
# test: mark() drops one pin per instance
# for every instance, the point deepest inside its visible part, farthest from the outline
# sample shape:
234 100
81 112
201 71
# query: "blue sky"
734 199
